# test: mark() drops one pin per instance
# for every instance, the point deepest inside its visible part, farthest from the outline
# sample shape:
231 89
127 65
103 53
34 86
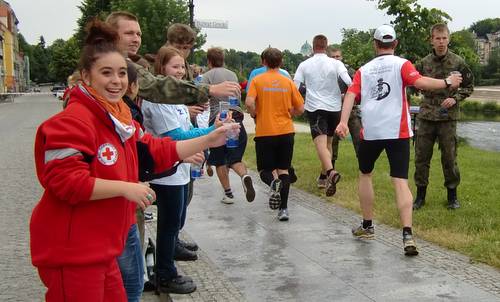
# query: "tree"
290 60
492 70
357 47
40 63
412 24
65 55
90 9
463 44
154 17
486 26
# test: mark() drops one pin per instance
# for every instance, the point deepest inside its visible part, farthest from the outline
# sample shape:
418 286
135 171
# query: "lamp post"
191 13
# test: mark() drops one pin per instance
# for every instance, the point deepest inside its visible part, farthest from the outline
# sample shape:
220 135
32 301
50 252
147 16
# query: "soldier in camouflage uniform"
354 123
437 119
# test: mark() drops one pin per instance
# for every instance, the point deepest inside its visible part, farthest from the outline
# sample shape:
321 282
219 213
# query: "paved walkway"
248 255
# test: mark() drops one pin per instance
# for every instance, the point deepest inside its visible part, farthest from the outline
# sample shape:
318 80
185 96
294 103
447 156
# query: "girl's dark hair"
131 73
101 39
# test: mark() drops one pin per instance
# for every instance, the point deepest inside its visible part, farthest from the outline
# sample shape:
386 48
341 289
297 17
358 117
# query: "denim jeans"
172 204
131 263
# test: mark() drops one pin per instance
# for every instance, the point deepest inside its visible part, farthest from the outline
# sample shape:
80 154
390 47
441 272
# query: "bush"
470 106
491 107
488 82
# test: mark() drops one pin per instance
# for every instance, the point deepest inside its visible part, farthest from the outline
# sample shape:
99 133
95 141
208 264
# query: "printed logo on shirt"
107 154
381 90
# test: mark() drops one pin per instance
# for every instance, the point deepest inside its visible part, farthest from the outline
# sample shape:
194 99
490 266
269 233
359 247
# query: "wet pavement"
246 254
314 257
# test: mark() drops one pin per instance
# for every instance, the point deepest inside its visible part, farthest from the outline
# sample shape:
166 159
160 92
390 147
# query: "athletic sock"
229 193
367 223
407 231
285 189
266 177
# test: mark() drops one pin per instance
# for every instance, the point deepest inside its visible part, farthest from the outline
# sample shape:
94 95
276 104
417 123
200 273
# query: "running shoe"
246 180
321 183
409 245
331 183
283 215
364 233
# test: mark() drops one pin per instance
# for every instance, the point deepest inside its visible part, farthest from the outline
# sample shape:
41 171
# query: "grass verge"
472 230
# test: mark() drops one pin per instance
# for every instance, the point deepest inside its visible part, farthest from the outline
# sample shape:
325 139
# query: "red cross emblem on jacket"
107 154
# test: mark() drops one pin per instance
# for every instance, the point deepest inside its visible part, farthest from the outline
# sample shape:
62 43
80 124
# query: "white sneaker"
227 200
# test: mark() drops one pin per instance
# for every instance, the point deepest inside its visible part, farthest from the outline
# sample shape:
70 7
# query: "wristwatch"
447 81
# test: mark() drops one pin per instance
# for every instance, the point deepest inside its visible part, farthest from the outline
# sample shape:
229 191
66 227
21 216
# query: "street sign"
220 24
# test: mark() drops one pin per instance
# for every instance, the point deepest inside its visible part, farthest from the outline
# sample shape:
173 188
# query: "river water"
481 134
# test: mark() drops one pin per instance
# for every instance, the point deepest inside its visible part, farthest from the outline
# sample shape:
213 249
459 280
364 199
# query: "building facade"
12 60
485 45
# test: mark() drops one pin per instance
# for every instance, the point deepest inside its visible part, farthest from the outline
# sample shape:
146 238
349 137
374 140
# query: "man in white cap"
380 85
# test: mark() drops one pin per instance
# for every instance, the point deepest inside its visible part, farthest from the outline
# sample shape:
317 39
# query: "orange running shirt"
274 96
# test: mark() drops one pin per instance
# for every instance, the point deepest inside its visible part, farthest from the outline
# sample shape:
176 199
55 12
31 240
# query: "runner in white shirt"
323 103
381 84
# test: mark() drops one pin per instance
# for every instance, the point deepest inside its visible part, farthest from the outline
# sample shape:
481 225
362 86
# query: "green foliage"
491 107
290 60
463 44
470 106
480 107
39 63
357 47
154 17
412 24
90 9
486 26
65 55
492 70
241 62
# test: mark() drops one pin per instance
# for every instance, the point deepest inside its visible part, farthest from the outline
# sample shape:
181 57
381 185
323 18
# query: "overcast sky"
255 24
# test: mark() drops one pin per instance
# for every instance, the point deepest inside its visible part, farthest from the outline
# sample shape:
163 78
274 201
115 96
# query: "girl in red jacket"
86 160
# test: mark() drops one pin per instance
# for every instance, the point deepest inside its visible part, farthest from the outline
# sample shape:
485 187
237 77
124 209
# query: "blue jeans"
172 206
131 263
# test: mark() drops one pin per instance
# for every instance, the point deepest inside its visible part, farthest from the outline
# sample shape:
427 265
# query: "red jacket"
73 148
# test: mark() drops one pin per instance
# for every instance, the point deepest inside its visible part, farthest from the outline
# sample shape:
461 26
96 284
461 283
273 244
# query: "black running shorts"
274 152
398 154
323 122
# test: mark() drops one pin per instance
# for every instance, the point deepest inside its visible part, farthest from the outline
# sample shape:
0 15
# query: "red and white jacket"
73 148
382 83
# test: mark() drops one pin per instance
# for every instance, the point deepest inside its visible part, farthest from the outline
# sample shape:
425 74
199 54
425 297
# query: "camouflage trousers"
445 132
354 125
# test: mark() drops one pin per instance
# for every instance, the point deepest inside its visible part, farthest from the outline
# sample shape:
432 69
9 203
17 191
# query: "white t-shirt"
162 118
320 74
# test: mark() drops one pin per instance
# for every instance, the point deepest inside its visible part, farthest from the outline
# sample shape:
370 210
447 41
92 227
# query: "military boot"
452 199
420 199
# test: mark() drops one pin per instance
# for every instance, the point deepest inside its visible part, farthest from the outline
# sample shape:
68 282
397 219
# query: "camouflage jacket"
439 68
169 90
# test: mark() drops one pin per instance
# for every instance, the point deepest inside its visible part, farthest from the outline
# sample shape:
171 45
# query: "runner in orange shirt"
272 100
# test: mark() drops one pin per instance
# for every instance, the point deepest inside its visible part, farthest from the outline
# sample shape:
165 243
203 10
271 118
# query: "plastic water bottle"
233 102
223 110
195 171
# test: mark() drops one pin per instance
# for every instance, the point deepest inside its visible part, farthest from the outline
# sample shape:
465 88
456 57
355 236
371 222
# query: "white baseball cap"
385 33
